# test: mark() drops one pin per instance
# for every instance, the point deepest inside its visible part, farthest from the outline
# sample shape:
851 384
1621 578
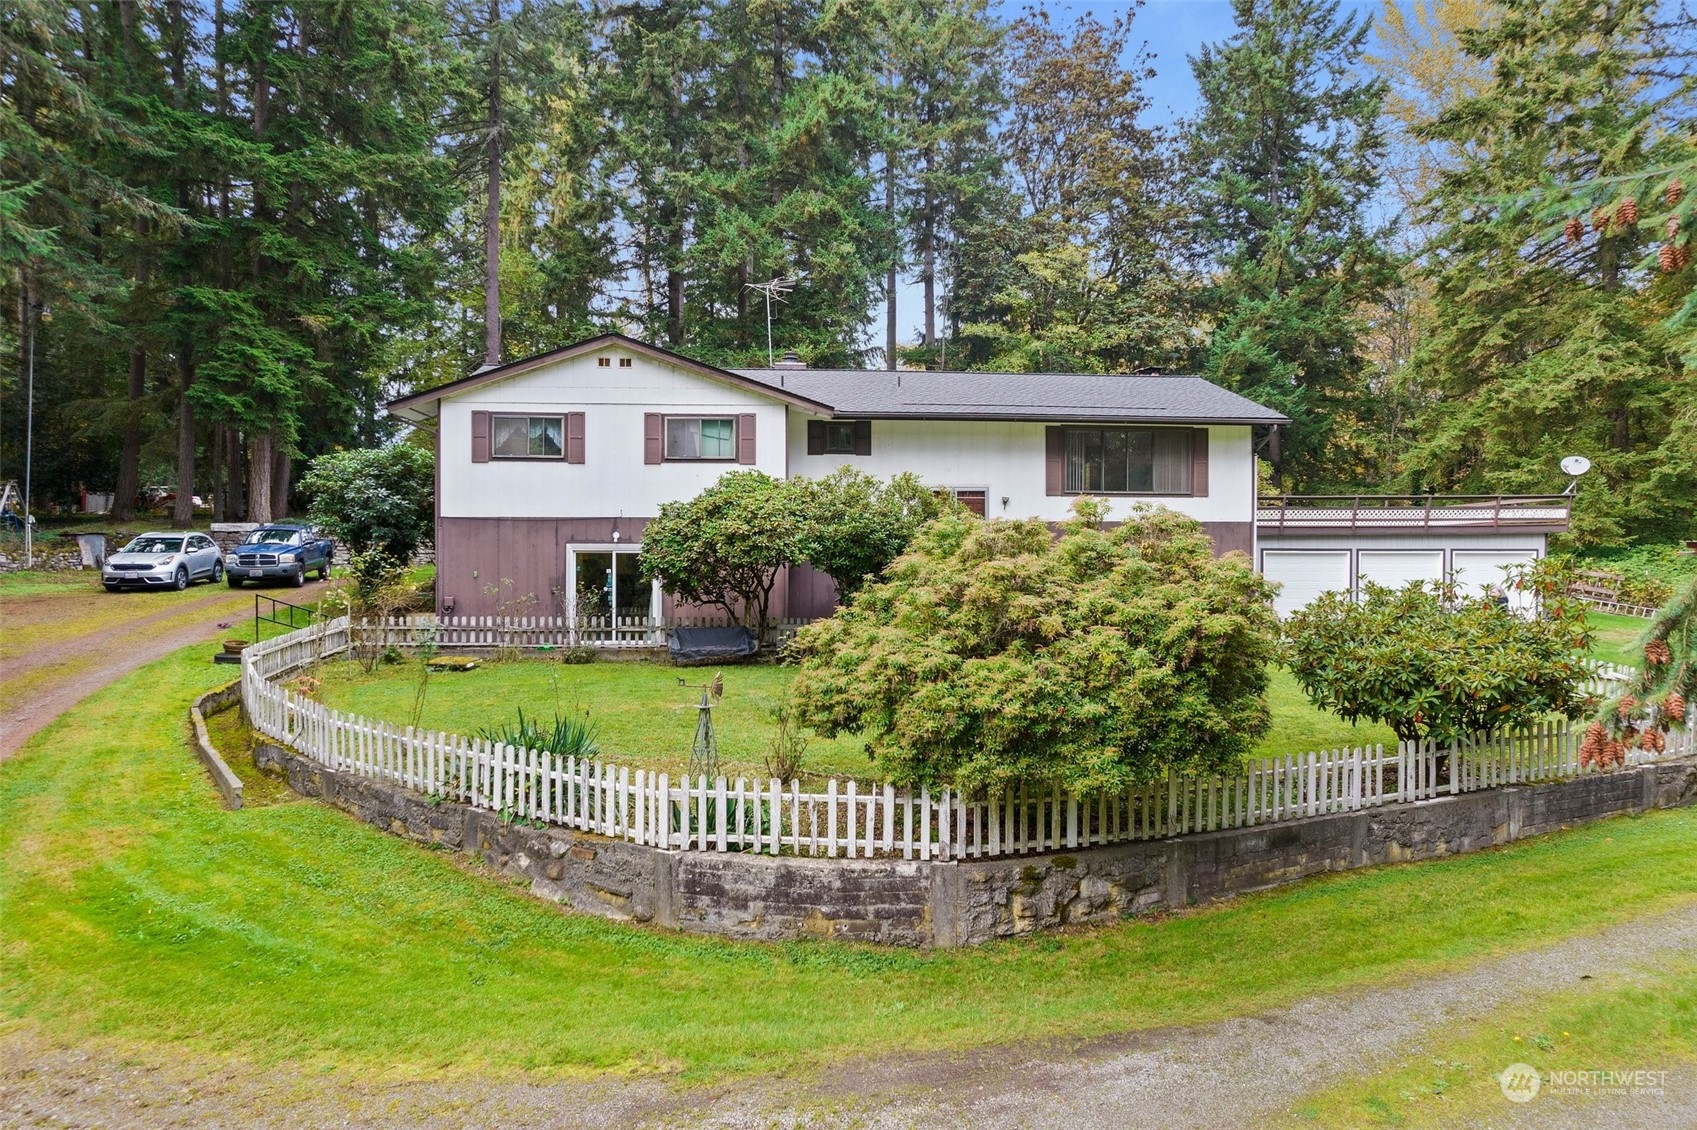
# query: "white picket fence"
853 819
449 633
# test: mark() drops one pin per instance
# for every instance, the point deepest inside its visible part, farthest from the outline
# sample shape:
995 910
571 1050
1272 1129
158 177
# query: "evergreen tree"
1284 157
1552 331
1070 266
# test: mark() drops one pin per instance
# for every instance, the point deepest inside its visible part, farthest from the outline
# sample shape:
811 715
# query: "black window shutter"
863 437
816 437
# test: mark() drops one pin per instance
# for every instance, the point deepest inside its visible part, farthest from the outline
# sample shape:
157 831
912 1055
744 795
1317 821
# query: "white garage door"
1478 569
1305 574
1395 568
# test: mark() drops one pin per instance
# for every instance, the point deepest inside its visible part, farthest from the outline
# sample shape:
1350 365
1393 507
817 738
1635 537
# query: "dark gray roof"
880 394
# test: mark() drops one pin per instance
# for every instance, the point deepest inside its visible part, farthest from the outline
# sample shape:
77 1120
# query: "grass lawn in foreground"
647 720
137 910
1646 1021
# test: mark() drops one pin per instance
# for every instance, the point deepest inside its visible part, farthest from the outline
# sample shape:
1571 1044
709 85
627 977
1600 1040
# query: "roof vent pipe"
790 360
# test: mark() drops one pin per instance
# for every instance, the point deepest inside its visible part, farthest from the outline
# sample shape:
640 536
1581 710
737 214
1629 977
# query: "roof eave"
432 396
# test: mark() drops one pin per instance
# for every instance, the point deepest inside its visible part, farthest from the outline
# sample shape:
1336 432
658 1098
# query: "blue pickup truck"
279 552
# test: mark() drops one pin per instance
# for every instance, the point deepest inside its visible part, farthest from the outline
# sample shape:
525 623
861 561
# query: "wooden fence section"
853 819
450 632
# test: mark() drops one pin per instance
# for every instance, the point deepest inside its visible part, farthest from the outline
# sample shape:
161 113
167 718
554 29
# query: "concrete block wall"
914 903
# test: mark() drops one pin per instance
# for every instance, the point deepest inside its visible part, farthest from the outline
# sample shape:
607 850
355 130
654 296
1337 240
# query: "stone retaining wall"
914 903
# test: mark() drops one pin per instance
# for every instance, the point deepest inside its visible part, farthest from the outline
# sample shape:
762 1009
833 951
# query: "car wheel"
298 578
113 588
233 581
217 571
181 581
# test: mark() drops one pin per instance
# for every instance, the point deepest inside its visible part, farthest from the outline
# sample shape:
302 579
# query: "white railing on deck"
853 819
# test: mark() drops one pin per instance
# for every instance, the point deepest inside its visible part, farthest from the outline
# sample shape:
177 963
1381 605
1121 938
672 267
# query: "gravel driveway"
1237 1073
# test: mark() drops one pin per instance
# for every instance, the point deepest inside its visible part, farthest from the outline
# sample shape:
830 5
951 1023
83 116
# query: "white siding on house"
1006 459
613 480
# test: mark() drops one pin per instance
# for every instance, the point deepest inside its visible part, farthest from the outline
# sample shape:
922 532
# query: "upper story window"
625 362
527 437
701 437
1126 460
604 362
839 437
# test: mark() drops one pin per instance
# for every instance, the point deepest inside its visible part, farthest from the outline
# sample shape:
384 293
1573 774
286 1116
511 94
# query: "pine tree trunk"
928 254
129 452
895 244
259 466
182 512
492 206
281 467
220 501
235 474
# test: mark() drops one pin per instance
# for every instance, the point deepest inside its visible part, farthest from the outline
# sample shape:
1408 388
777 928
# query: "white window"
701 437
527 437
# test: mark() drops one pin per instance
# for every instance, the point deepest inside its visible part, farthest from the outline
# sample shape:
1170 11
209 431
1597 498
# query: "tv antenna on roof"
777 288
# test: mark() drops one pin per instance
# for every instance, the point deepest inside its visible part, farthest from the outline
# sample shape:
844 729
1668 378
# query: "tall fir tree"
1284 157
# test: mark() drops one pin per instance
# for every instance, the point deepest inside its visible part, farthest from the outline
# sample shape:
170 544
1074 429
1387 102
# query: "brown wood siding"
811 592
480 437
477 553
745 439
1231 537
574 437
653 437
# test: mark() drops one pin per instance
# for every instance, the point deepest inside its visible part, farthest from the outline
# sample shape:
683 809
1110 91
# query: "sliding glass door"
606 581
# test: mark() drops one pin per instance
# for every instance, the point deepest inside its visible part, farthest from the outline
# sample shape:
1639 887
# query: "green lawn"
137 910
1614 638
1644 1021
647 719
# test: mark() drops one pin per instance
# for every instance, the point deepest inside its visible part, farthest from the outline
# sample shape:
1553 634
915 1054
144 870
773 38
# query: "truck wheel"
233 581
298 577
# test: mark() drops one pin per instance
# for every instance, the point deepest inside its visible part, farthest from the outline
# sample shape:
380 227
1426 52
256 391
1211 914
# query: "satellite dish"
1575 465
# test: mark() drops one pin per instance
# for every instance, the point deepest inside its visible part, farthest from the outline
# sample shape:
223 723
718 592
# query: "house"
549 468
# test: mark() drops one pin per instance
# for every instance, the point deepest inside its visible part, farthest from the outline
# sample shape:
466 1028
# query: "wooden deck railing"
1412 511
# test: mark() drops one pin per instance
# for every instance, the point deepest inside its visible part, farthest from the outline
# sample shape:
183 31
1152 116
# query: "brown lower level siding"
483 564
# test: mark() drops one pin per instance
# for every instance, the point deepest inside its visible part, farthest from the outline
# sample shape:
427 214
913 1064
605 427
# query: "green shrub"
994 652
1431 665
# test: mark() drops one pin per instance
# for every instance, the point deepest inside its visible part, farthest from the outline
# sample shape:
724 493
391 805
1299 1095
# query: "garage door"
1395 568
1304 575
1478 569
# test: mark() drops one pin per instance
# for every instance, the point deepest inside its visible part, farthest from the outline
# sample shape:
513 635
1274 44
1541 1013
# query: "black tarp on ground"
693 646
